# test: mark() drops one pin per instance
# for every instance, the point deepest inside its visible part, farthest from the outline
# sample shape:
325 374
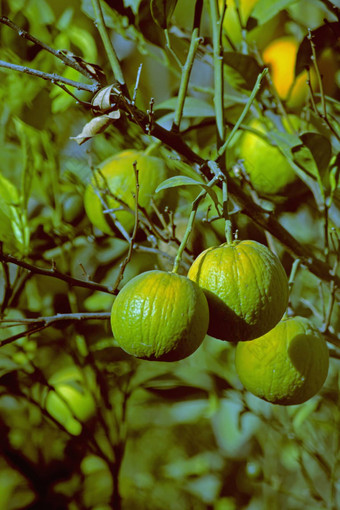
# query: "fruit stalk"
245 111
191 220
113 59
217 25
186 71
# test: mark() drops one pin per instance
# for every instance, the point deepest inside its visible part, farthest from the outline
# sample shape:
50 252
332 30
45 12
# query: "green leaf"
323 37
178 180
266 9
13 228
303 158
193 107
162 11
320 148
183 180
245 65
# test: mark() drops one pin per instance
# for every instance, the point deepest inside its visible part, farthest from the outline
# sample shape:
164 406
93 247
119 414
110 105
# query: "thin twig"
133 236
46 322
69 61
186 71
217 26
323 114
56 274
262 218
53 78
252 96
332 299
136 84
110 52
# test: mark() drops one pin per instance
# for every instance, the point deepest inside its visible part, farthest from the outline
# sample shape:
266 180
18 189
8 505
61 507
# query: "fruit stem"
217 26
152 147
244 112
191 220
227 226
111 54
186 71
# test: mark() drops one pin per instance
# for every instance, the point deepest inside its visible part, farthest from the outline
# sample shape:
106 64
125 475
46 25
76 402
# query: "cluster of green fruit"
236 292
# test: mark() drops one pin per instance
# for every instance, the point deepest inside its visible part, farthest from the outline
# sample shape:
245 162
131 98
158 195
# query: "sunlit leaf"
245 65
162 11
183 180
320 149
264 10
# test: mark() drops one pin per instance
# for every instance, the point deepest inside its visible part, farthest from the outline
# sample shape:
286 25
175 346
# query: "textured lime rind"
268 169
160 316
286 366
246 288
117 174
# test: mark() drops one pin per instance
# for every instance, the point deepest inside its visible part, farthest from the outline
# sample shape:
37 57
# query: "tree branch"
261 217
45 322
63 56
76 282
53 78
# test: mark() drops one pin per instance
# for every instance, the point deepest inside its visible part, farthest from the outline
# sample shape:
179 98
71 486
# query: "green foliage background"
159 435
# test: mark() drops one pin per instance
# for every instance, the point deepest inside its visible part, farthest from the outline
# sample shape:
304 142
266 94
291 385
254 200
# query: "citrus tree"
169 254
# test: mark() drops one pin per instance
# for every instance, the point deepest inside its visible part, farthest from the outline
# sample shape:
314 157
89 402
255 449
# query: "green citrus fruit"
160 316
246 288
268 169
115 177
288 365
70 403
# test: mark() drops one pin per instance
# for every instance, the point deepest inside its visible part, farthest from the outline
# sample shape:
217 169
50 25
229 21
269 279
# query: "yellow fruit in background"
268 169
118 175
280 56
71 402
246 288
160 316
286 366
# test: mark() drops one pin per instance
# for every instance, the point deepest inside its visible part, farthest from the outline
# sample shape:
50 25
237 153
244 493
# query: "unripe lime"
71 402
268 169
160 316
115 177
288 365
246 288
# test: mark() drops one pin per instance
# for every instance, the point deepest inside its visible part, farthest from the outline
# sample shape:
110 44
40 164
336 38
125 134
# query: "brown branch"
53 78
63 56
46 322
76 282
262 218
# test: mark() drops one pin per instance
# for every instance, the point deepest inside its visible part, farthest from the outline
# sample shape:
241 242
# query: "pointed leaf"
183 180
162 11
325 36
265 10
178 180
245 65
320 148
